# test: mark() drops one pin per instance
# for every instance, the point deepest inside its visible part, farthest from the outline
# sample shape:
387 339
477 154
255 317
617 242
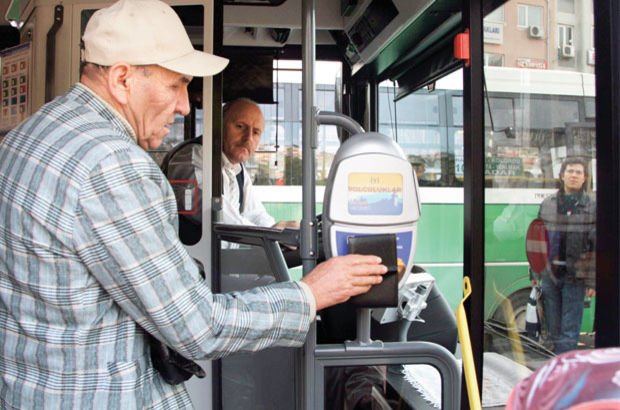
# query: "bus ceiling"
404 40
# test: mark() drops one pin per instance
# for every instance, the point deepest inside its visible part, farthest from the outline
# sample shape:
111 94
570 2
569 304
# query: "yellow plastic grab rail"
468 358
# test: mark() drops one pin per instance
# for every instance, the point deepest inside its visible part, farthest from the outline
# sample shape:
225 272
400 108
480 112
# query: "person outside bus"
91 267
570 219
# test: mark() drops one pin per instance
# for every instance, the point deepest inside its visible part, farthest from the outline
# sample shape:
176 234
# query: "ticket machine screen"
375 193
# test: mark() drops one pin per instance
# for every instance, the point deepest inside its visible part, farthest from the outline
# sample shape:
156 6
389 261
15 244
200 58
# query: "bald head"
243 126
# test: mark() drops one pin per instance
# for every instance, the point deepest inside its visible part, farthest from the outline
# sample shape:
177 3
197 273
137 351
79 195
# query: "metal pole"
308 137
308 232
473 142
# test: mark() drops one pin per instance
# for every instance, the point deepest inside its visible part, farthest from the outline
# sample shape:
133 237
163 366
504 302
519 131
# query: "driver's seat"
178 166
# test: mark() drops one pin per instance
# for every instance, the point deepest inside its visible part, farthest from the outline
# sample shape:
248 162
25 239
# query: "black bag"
173 367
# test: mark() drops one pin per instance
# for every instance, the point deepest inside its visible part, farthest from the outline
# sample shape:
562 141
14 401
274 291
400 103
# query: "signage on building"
494 166
493 32
525 62
505 167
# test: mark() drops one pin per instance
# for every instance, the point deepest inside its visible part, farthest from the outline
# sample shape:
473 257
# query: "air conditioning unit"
591 56
567 51
535 32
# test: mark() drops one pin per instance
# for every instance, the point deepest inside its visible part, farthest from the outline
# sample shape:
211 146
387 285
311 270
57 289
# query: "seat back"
179 165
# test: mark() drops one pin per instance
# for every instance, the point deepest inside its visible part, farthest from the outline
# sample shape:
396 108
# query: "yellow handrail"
468 358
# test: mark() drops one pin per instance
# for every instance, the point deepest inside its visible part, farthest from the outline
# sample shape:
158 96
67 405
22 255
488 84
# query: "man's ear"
119 82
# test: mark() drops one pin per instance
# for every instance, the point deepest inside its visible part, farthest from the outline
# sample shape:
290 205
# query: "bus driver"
90 263
243 127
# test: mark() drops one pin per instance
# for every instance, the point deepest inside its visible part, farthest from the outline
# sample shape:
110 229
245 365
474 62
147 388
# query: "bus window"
500 115
419 118
550 107
275 168
552 113
534 120
590 108
457 110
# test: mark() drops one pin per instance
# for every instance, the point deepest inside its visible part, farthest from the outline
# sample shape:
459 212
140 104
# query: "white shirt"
253 211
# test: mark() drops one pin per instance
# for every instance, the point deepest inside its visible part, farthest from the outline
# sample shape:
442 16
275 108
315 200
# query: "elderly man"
243 126
91 266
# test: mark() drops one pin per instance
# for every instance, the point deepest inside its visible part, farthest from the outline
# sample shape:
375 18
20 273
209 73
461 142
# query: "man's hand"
339 278
287 224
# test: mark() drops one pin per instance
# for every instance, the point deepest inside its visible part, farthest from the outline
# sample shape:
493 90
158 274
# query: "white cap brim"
196 63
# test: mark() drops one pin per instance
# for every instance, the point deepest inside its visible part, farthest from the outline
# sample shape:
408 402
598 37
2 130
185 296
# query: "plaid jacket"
90 260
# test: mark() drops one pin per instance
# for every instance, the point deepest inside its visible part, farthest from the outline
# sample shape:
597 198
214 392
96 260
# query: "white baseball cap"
143 32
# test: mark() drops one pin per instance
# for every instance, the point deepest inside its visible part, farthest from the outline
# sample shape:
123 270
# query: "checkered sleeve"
126 236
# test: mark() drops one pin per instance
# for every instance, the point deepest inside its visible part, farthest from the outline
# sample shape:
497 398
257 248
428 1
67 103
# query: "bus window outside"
428 126
275 168
532 132
534 120
540 155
